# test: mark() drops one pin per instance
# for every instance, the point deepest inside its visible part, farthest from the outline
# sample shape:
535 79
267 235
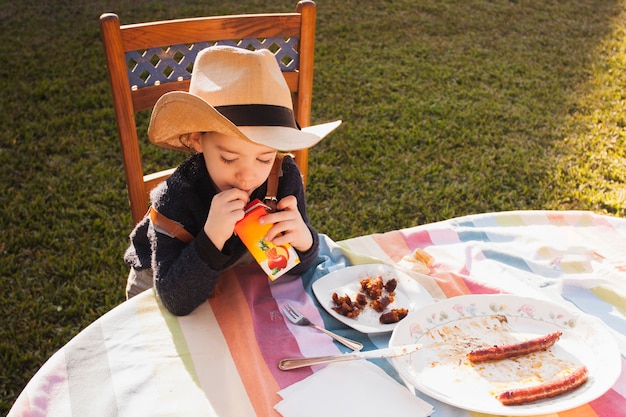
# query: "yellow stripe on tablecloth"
509 219
177 337
173 378
363 250
611 297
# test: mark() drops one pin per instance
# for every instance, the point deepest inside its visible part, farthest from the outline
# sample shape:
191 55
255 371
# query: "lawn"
450 107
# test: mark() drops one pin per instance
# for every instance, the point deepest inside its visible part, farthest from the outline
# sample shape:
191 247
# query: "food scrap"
418 261
376 294
393 316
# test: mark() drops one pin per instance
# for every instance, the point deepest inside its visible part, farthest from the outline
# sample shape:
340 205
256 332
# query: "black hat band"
258 115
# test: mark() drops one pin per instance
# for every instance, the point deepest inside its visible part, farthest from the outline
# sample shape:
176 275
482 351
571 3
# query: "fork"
301 320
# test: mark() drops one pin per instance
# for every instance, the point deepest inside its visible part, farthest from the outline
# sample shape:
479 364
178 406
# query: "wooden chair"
146 60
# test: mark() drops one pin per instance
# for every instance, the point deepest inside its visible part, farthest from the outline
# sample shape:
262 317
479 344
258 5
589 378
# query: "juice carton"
275 260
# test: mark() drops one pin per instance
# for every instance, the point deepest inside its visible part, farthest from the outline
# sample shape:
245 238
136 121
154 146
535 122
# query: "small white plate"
409 294
451 328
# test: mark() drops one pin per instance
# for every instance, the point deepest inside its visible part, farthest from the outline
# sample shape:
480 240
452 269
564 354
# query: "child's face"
233 162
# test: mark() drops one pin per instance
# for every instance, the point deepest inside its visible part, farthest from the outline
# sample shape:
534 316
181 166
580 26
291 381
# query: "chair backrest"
146 60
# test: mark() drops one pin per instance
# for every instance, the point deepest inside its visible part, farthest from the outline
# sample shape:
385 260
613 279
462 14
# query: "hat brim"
178 113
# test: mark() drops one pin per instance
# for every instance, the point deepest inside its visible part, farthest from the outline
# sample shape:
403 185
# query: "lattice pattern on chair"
174 63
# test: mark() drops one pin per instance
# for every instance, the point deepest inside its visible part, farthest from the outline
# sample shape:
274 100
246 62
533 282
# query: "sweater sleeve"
183 280
185 274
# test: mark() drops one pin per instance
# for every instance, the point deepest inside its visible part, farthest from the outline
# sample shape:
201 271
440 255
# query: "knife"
390 352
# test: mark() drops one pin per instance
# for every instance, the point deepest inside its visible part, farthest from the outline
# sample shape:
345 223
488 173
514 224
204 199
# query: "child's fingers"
288 203
232 195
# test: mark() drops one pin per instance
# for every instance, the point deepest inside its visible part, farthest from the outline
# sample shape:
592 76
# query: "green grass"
450 108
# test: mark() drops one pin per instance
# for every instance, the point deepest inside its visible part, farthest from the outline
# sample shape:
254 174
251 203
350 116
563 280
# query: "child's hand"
288 221
226 210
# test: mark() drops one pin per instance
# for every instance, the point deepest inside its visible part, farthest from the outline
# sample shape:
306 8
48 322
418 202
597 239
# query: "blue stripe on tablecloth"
507 259
591 304
472 235
92 390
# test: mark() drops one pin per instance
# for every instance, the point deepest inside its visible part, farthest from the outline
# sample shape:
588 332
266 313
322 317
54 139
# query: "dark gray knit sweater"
185 274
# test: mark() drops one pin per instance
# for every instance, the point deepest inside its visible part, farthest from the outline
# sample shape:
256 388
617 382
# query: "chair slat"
182 31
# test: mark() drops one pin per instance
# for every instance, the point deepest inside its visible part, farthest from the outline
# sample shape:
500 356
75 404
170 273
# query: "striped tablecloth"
221 360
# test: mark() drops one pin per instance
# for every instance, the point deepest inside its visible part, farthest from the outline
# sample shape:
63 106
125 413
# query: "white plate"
451 328
409 294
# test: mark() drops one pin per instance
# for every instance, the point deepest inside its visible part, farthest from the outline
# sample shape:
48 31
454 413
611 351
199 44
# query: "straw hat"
236 92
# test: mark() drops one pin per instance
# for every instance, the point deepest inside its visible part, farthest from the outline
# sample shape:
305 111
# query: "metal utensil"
294 363
301 320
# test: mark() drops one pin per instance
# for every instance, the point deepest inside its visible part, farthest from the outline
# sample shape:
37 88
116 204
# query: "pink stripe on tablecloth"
393 244
274 337
576 218
213 367
472 285
611 404
620 385
418 239
47 392
399 244
478 288
309 342
451 283
443 236
560 219
241 334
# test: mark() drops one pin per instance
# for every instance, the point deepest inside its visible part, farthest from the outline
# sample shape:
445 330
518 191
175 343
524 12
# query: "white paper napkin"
357 388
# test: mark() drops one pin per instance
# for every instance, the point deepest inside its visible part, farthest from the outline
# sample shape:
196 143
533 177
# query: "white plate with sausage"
449 330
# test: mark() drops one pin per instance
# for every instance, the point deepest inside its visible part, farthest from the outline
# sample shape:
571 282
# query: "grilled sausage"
546 390
514 350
